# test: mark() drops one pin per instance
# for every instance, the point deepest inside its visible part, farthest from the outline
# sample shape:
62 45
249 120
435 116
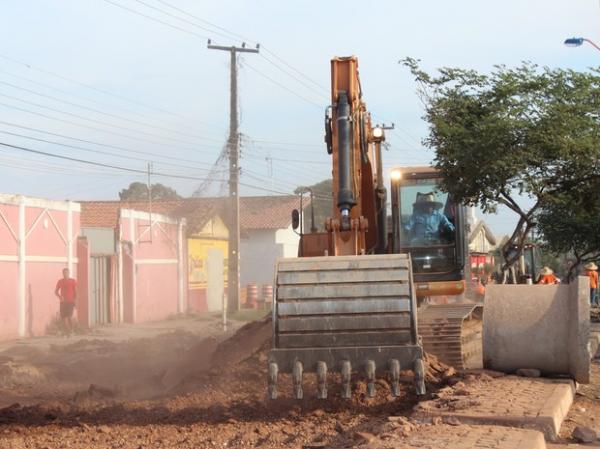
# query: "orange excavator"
350 302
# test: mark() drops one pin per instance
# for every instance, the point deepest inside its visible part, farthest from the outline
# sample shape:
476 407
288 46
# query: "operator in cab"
427 224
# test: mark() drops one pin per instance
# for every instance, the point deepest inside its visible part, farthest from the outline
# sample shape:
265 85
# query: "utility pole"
233 276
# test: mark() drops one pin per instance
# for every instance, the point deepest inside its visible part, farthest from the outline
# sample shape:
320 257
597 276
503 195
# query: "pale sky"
91 70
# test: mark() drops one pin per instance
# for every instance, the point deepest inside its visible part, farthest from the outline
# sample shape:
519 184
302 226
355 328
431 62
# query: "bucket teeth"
273 371
395 377
419 370
370 372
297 374
322 380
346 377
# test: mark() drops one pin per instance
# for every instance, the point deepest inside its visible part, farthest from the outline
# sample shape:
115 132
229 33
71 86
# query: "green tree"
138 191
513 133
570 224
322 203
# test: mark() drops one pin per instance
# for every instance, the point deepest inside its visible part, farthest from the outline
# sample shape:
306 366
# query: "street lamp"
578 41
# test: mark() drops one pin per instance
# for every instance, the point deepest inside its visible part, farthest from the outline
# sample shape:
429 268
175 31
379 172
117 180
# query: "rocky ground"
193 387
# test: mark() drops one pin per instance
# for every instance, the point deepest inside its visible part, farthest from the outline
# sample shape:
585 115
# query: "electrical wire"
302 74
91 100
98 164
107 153
277 83
239 36
97 111
98 129
106 145
154 19
205 37
104 92
100 122
181 19
288 73
206 22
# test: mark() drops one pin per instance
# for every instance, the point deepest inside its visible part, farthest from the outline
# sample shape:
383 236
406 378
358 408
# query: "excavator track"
453 333
345 314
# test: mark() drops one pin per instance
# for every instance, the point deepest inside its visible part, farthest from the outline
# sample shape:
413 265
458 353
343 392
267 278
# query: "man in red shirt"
66 292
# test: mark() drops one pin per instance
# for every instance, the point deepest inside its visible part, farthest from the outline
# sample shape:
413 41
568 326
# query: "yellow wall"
213 235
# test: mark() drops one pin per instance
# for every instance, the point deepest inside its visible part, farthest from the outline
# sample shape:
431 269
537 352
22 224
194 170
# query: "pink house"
38 238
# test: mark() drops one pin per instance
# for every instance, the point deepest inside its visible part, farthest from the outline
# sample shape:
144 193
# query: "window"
427 226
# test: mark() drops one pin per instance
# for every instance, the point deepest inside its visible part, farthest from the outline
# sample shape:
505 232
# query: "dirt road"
175 386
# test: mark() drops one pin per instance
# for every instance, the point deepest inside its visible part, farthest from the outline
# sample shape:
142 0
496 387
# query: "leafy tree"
515 132
321 202
138 191
570 224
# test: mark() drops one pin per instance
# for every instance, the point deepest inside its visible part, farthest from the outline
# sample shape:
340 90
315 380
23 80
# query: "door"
214 281
99 290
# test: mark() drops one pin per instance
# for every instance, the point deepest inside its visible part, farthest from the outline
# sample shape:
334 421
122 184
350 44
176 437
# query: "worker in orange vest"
592 272
547 277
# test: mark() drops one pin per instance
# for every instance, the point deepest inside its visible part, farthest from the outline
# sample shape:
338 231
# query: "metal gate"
99 290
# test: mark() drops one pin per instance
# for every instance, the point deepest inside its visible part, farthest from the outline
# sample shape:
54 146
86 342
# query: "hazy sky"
151 91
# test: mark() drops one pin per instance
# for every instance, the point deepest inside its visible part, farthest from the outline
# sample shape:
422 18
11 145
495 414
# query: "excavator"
351 301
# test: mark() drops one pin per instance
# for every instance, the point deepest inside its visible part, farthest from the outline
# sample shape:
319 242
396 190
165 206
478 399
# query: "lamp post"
578 41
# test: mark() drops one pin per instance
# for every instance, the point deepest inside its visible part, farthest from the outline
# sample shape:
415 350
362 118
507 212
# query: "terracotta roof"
99 214
268 212
256 212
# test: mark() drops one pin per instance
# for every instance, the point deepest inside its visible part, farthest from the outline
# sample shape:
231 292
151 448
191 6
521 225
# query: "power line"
282 183
102 91
98 164
288 73
296 144
92 127
106 153
206 37
100 122
120 117
91 100
207 22
154 19
320 86
229 36
106 145
282 86
301 161
182 19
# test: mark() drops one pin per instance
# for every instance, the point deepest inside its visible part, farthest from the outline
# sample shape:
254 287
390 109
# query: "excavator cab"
430 226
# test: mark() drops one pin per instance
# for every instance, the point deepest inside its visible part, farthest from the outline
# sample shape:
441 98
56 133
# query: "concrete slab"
538 326
540 404
467 437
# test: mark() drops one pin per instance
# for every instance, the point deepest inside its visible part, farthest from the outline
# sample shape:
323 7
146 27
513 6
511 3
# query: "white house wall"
261 249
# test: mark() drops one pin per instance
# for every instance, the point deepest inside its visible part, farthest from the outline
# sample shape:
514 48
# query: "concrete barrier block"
546 327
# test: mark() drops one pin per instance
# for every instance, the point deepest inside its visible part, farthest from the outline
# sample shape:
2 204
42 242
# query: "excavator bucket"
345 314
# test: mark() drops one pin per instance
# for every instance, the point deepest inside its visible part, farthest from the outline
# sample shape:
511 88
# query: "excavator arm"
358 218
